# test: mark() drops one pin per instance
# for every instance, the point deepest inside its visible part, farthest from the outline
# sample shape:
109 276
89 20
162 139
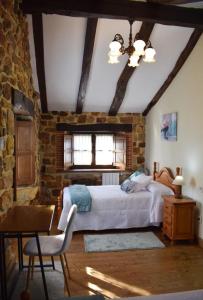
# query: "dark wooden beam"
127 72
174 2
39 53
94 127
180 62
119 9
86 64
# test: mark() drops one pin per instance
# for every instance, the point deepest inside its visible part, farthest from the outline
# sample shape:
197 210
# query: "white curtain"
82 149
104 149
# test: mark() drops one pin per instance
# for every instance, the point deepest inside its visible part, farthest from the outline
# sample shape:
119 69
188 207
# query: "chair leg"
28 273
32 272
65 276
25 294
67 265
53 264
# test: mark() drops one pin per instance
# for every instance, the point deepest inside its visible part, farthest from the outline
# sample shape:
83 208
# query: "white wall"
184 96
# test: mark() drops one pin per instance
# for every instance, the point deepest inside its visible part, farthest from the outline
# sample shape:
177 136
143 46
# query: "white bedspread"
112 208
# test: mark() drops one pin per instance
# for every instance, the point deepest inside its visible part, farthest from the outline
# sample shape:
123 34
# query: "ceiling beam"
174 2
180 62
86 64
39 54
119 9
145 32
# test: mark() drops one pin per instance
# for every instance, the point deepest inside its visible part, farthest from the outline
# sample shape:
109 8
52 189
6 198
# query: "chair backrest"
68 232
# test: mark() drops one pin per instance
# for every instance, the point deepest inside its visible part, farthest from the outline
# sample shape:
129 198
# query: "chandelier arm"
148 44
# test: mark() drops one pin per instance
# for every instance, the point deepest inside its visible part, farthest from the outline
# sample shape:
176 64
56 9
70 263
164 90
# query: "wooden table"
24 221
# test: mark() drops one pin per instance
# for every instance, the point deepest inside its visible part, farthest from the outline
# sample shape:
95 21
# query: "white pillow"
155 186
141 182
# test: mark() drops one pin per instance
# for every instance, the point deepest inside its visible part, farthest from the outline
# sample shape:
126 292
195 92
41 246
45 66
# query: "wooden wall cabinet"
178 219
25 152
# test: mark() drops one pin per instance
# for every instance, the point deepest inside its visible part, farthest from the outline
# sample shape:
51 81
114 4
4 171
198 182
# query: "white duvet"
112 209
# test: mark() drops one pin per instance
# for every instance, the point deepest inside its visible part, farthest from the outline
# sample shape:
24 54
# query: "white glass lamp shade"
133 60
115 47
149 55
139 47
179 180
113 59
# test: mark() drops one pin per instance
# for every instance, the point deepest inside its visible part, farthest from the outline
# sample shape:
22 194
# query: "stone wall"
15 72
51 180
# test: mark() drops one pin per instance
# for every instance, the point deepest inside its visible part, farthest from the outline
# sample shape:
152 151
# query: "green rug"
121 241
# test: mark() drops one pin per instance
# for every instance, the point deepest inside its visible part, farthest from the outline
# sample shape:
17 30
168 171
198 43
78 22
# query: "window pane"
104 149
82 158
82 149
104 142
82 142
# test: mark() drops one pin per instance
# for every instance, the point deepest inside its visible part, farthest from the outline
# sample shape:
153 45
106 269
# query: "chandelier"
135 50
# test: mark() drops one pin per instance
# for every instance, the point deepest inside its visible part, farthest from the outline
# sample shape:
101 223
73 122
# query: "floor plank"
136 272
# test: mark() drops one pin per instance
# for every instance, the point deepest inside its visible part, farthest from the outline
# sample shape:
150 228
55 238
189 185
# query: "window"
82 149
104 149
94 151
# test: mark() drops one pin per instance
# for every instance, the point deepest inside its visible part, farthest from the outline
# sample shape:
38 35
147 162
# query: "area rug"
55 284
121 241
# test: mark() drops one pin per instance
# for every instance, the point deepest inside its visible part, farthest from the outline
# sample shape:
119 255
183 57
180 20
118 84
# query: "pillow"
155 186
136 184
127 185
141 170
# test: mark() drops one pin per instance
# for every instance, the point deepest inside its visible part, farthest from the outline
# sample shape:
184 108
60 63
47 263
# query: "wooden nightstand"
178 219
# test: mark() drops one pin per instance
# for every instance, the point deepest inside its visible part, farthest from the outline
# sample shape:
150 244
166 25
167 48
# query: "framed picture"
169 127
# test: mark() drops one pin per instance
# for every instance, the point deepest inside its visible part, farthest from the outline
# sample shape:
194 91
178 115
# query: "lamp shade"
149 55
133 61
139 47
179 180
115 46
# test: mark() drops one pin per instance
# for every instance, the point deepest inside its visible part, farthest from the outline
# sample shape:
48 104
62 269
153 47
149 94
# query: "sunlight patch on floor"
134 289
102 291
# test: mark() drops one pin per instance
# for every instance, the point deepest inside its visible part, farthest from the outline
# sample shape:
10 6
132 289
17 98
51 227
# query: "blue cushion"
127 185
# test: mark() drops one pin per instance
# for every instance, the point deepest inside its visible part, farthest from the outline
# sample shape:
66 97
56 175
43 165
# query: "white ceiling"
63 51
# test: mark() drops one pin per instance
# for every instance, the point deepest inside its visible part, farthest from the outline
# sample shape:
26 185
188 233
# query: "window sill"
95 170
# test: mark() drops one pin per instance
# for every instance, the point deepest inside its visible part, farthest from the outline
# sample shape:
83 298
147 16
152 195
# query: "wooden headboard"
166 177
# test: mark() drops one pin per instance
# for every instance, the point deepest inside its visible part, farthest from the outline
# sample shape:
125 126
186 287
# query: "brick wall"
51 180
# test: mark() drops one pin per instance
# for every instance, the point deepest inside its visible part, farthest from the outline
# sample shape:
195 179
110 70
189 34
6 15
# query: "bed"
113 208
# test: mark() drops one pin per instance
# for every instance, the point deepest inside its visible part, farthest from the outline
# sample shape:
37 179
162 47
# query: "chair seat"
50 245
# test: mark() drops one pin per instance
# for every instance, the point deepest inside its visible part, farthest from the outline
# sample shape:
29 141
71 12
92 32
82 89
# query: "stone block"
27 193
7 179
46 116
9 163
140 159
2 144
6 200
10 145
126 120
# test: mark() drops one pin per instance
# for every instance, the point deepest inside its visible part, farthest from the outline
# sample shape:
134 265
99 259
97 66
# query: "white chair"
55 245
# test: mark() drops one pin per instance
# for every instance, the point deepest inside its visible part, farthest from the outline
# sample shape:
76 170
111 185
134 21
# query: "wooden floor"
137 272
177 267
